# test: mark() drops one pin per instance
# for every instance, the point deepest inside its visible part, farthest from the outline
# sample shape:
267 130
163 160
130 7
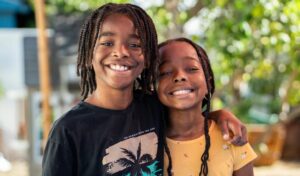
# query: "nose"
179 77
120 51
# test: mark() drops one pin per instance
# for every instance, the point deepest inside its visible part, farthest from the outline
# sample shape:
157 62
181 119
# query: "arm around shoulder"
230 124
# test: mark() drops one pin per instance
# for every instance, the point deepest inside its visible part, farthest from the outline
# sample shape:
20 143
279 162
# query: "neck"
112 99
185 125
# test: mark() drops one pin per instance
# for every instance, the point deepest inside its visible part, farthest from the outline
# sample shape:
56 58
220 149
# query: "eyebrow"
107 34
188 57
193 58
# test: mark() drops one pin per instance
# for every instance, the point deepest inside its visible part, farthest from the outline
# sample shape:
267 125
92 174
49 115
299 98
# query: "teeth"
181 92
119 67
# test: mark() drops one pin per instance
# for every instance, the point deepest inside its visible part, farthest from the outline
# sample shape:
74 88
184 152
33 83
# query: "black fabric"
92 141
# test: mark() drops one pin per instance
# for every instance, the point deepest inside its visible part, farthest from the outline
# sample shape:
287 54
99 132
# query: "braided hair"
90 32
209 78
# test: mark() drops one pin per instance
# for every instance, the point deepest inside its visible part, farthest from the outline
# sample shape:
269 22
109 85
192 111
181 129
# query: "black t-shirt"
92 141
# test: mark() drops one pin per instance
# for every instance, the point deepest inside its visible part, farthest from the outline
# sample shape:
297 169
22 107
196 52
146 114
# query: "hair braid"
210 88
85 54
148 78
166 147
139 25
205 155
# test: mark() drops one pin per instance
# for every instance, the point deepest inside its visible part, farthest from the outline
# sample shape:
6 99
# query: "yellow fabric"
224 158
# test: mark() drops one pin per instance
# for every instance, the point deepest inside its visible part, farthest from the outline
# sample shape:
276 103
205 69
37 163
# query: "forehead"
117 21
176 50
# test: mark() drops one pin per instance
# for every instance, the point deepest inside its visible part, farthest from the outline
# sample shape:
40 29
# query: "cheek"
100 52
141 67
202 85
160 87
97 50
141 63
161 96
94 63
141 59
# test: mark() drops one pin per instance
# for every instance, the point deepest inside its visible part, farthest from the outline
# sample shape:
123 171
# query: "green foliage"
162 19
253 40
54 7
254 47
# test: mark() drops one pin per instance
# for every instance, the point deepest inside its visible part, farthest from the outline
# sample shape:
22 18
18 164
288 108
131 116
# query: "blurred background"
253 45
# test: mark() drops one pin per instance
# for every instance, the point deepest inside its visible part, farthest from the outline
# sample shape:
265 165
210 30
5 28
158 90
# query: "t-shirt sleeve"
58 159
242 156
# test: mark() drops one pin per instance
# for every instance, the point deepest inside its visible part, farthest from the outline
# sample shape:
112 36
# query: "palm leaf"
129 154
125 162
138 154
145 158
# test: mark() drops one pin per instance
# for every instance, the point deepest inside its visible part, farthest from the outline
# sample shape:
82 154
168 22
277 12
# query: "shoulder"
72 116
241 155
67 123
217 141
215 132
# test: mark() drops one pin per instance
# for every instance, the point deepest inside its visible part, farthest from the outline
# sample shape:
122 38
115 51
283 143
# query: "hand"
232 128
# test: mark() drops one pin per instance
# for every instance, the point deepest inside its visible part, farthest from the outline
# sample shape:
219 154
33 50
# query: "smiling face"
117 58
181 83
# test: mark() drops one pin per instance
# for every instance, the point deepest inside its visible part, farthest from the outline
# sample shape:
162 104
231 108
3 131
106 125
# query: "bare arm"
232 128
247 170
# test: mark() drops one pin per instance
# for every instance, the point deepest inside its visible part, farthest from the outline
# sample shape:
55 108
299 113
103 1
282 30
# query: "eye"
192 69
106 43
134 45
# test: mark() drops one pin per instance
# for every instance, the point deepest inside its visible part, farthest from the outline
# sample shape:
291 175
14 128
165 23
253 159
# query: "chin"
122 85
181 106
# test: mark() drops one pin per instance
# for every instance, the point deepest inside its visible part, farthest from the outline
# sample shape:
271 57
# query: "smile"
116 67
182 92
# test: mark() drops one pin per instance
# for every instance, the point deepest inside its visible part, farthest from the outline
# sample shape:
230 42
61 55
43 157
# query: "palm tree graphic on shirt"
137 163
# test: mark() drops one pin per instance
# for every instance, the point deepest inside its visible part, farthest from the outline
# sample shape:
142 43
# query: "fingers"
238 141
233 130
239 135
225 131
244 134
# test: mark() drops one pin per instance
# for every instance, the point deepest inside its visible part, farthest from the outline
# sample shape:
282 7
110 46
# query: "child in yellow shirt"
194 144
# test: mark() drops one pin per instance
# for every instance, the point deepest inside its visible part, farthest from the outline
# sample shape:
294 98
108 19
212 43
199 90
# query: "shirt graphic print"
135 155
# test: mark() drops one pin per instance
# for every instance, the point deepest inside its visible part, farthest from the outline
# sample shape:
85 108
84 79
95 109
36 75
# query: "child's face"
118 57
181 83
